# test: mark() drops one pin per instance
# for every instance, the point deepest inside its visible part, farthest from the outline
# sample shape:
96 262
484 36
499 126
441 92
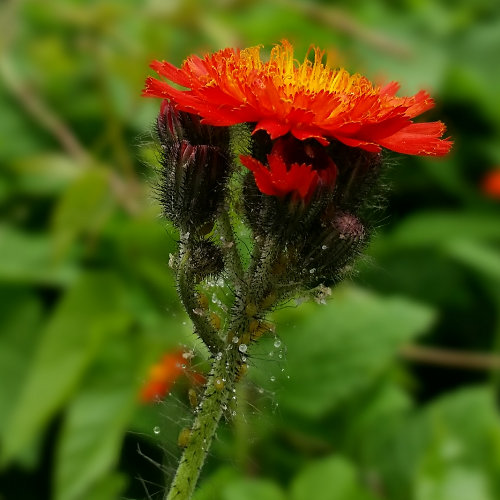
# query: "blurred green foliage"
88 303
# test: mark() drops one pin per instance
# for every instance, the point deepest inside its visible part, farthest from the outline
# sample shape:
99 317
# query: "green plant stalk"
187 294
227 358
216 398
232 257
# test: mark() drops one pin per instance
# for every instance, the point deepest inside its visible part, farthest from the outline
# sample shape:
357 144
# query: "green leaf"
426 453
20 314
478 256
250 489
210 488
44 174
343 345
27 258
461 455
437 228
92 310
455 483
83 208
327 479
109 487
96 422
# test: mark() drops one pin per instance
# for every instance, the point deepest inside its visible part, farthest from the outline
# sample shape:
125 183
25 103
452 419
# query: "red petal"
170 72
367 146
274 128
261 174
423 102
390 89
419 139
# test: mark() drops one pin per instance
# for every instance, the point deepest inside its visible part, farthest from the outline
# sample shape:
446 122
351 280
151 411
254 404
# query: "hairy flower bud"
195 168
332 246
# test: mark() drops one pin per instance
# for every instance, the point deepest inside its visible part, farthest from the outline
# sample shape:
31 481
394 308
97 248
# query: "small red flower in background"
490 184
293 169
308 100
164 374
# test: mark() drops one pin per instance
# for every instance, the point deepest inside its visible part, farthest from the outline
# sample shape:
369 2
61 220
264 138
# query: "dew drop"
273 378
156 430
324 247
235 340
277 343
243 348
312 271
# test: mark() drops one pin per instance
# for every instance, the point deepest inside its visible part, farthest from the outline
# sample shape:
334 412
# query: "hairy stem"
218 392
231 255
228 357
187 294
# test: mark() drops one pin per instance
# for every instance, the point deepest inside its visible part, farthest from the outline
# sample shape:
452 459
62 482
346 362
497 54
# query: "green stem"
231 255
217 394
187 294
227 359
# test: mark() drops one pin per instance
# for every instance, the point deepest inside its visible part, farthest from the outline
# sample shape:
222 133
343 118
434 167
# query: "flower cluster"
293 151
314 155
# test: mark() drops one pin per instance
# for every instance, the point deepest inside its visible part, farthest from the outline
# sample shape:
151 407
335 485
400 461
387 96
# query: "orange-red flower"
164 374
308 100
491 184
293 169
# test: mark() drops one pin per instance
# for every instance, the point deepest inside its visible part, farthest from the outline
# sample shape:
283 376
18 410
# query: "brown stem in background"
449 358
37 108
340 20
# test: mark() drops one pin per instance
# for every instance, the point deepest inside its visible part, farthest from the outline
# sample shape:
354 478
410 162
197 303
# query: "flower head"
491 184
163 375
308 100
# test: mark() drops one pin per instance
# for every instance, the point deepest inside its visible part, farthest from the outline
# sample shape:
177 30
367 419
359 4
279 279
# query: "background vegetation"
352 405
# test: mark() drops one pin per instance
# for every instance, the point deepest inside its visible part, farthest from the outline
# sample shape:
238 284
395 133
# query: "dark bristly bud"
336 244
196 165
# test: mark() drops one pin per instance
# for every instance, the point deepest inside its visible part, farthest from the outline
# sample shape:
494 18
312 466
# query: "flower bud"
195 168
337 243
